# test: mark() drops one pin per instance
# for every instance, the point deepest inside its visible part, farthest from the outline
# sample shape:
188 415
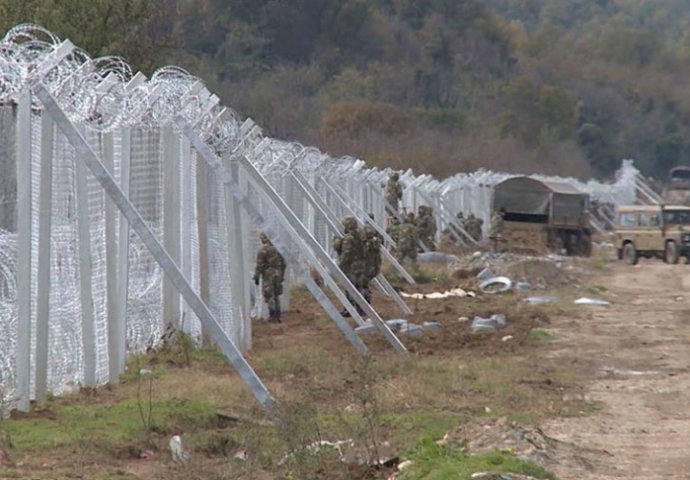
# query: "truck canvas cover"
530 197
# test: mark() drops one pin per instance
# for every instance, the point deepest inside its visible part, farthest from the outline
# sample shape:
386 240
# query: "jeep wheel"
671 253
629 254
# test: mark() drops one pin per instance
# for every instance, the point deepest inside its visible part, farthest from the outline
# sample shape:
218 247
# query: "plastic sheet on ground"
456 292
399 325
438 257
592 302
540 300
495 322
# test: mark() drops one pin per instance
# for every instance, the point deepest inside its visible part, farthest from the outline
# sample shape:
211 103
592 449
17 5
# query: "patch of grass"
439 462
539 335
106 427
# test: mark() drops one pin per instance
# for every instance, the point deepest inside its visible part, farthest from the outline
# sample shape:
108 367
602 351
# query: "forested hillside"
558 86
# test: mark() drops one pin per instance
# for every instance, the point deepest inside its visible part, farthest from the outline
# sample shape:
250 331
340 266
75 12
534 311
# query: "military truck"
677 190
541 215
661 231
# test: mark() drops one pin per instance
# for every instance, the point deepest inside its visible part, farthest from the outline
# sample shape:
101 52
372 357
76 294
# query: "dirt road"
638 353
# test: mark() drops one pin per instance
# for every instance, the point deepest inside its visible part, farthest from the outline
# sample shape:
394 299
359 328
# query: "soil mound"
540 273
528 443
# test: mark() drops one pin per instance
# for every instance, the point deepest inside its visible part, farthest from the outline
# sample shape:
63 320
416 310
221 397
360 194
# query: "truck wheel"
671 253
630 254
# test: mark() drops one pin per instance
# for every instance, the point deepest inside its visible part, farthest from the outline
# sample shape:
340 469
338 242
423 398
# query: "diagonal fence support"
454 227
241 198
343 200
319 205
293 226
289 217
88 157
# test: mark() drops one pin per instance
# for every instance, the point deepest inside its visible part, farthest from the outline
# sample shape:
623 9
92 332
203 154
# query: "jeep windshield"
677 217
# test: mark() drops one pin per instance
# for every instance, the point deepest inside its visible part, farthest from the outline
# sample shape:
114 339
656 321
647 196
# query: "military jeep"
661 231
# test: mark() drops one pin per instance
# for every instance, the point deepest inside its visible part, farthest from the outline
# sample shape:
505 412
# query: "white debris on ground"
349 452
592 302
456 292
495 322
494 285
399 325
500 476
177 450
540 300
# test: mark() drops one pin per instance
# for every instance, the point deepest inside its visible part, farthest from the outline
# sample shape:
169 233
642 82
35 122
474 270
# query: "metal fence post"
88 331
239 276
24 189
43 279
171 221
117 332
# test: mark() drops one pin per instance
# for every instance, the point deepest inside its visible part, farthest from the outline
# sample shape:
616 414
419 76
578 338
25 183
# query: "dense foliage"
558 86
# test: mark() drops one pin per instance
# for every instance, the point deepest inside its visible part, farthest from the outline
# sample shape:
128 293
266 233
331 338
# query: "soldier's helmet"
410 217
349 224
395 176
264 238
460 215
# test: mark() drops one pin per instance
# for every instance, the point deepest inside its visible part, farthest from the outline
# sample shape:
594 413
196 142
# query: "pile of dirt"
527 443
453 330
540 273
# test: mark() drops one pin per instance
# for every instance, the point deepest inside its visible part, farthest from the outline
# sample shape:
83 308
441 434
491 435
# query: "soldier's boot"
276 312
275 315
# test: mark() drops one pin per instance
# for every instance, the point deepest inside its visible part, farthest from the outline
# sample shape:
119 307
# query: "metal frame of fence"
128 204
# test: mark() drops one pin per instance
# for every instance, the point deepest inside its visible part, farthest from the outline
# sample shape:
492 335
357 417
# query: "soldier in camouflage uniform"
372 253
350 250
394 191
473 226
270 269
426 226
392 230
496 229
407 239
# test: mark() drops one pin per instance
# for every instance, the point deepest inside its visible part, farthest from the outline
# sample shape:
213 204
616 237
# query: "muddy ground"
638 355
635 355
602 392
